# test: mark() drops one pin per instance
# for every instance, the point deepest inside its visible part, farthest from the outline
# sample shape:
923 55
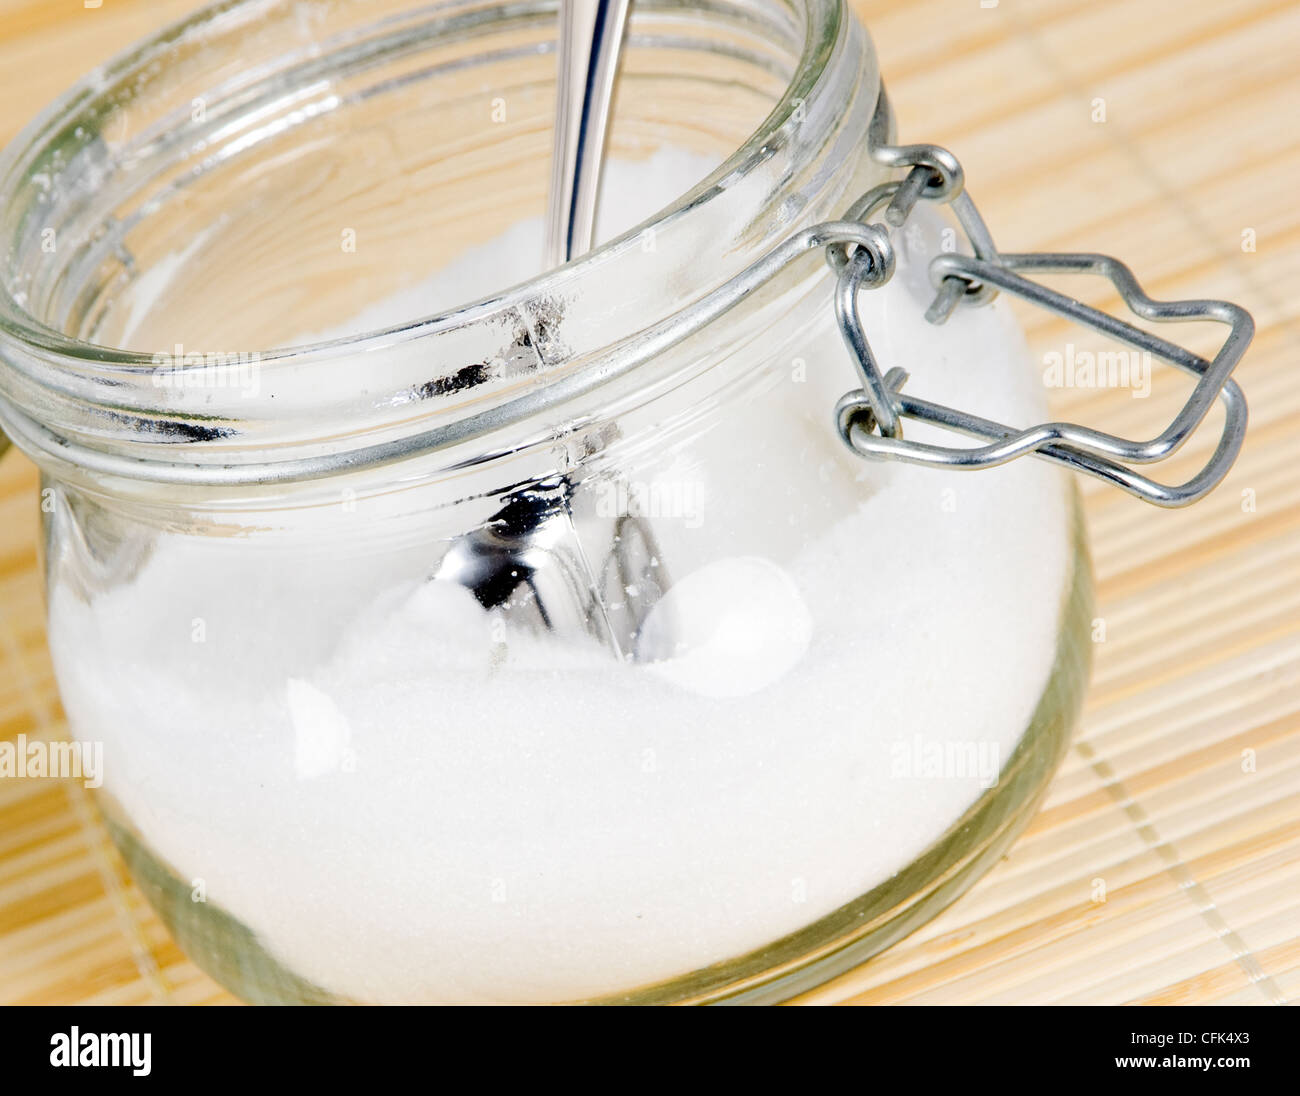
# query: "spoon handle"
591 41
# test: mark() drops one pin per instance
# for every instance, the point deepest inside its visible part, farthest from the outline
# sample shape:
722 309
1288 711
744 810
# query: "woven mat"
1165 864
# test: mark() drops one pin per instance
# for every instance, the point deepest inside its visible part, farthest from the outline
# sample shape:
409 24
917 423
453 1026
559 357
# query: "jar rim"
57 363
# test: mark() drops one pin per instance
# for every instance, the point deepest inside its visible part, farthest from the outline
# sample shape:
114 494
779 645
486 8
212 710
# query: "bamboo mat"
1165 863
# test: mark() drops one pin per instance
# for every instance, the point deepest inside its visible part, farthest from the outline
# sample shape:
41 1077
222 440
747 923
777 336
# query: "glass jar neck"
578 337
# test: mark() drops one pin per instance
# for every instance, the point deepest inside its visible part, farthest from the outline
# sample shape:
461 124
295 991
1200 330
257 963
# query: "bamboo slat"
1160 868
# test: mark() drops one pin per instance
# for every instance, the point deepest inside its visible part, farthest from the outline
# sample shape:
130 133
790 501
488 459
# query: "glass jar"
513 635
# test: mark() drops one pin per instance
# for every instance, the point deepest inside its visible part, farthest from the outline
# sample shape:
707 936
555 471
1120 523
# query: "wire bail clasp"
869 419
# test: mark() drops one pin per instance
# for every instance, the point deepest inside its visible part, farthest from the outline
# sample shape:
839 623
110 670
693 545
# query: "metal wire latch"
869 418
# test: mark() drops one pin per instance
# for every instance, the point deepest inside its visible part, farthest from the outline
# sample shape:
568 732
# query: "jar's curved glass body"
658 694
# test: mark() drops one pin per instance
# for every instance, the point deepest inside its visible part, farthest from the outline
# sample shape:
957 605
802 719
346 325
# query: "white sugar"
403 808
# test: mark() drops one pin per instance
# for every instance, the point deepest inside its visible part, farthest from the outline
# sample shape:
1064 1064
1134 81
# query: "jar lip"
78 376
821 21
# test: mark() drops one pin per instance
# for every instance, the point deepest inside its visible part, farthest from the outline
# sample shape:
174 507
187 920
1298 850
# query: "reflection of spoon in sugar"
729 629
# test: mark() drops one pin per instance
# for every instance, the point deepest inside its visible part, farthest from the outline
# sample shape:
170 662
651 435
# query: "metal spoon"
590 46
528 561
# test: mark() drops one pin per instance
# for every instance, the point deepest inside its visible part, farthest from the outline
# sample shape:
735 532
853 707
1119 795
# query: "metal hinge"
870 418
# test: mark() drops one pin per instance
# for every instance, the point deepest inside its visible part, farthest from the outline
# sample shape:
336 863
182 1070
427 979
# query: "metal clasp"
869 419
